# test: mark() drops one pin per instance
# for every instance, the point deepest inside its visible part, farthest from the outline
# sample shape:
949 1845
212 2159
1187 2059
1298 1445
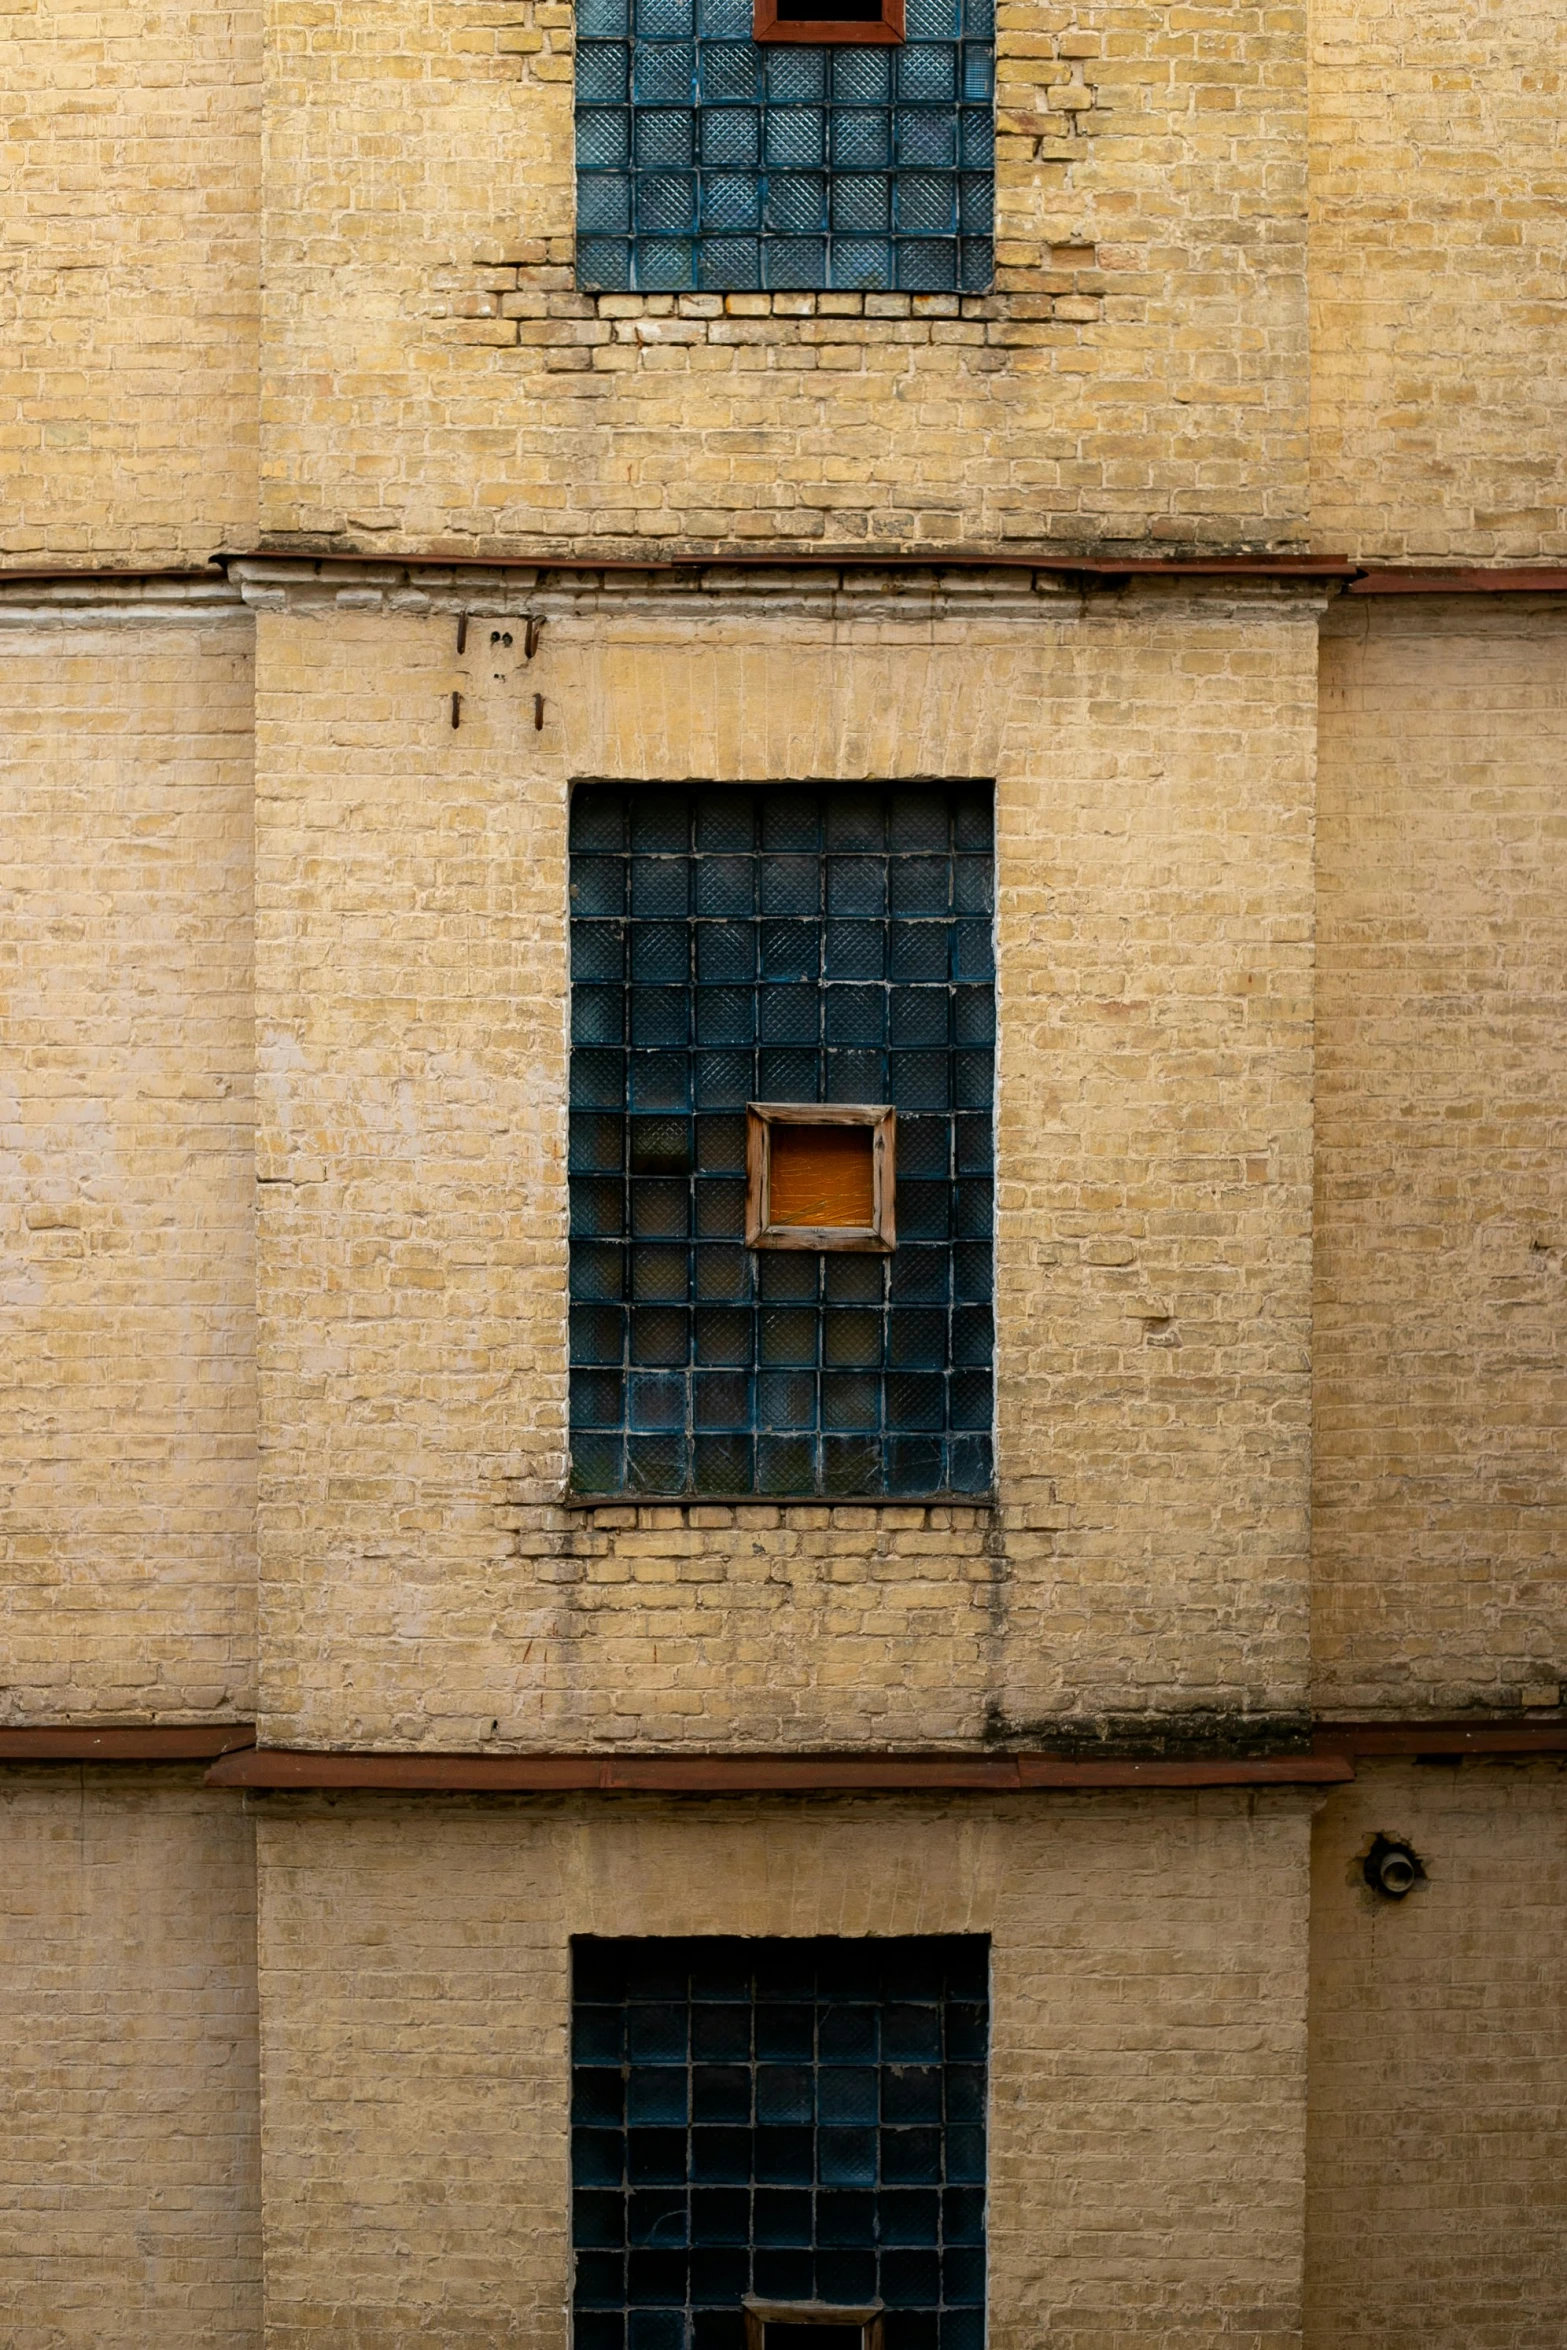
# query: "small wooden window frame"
883 31
880 1236
759 2315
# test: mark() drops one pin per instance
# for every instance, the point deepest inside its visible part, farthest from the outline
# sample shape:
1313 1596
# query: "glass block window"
733 945
795 2120
710 162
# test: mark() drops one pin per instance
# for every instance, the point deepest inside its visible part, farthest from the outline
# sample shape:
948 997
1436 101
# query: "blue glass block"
846 2219
973 1340
725 20
927 206
664 264
851 1464
851 1400
915 1465
971 1469
973 951
655 2329
849 2034
666 202
785 1073
731 137
598 818
603 74
659 1334
725 954
795 136
968 2039
927 265
596 1464
921 885
916 1399
597 1334
598 2157
724 1015
660 953
660 1146
597 1015
979 20
917 1015
849 2093
910 2215
731 265
918 951
786 1399
720 1211
790 885
655 1464
963 2329
603 138
974 1080
973 1208
786 2093
718 2277
658 1275
724 820
656 1400
724 1335
600 2278
795 263
795 76
856 950
912 2092
659 1015
603 264
910 2277
660 823
931 20
722 1399
861 77
598 2215
597 1143
861 139
917 1081
789 1015
918 819
665 137
965 2092
856 1015
598 885
855 822
965 2157
664 20
723 1080
721 1464
855 1075
925 136
846 2276
597 1269
862 264
846 2158
727 73
976 265
604 203
973 819
791 824
928 70
796 201
597 1399
599 20
924 1149
722 886
658 886
782 2276
791 950
597 1203
856 885
860 206
852 1281
917 1339
972 1272
663 73
723 2038
979 72
720 2093
973 877
720 1146
920 1276
721 2156
976 138
911 2158
785 1464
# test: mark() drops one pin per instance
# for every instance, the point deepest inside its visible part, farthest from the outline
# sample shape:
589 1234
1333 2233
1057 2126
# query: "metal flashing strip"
1374 1741
119 1742
761 1774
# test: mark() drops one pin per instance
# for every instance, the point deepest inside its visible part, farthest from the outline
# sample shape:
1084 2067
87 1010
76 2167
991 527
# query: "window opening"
779 2143
746 955
827 20
820 1177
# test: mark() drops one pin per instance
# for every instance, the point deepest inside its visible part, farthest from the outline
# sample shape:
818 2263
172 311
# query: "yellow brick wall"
1438 275
129 2187
1437 2140
1154 764
129 254
1142 373
1440 1493
127 1386
1147 2069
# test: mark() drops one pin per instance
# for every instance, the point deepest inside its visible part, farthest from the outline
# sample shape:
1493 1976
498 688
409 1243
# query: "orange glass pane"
821 1175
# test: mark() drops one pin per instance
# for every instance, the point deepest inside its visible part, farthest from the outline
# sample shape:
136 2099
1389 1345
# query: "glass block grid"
708 162
801 2120
734 944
